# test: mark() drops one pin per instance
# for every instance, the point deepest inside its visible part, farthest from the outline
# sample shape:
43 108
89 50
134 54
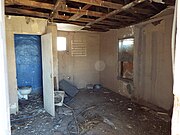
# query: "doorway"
28 62
34 71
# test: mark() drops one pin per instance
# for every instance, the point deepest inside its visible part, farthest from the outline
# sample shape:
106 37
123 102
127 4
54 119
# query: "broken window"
61 43
125 59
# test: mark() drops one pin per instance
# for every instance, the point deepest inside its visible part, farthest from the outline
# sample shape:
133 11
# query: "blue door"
28 61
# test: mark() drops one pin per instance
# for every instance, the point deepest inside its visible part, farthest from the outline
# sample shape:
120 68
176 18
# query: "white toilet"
23 92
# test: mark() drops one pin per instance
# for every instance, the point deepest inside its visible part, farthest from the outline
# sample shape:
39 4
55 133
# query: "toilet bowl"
23 92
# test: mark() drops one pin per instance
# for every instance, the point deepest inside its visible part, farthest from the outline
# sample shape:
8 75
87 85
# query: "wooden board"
48 82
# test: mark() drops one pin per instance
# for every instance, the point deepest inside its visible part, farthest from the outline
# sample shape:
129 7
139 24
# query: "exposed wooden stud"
127 6
78 15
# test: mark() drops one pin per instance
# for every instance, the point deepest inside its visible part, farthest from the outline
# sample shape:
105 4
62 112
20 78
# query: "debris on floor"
70 89
99 112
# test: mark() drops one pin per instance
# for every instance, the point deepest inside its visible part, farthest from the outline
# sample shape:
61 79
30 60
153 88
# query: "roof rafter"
127 6
100 3
82 12
30 3
46 15
59 4
78 15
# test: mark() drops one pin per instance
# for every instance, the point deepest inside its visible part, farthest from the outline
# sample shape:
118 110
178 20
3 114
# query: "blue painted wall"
28 61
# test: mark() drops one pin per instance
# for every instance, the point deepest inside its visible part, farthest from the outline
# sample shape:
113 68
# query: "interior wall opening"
28 69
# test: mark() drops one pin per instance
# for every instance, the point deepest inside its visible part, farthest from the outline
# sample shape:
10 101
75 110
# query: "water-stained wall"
152 78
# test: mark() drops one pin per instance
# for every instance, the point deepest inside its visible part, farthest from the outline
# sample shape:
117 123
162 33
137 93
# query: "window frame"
65 44
120 63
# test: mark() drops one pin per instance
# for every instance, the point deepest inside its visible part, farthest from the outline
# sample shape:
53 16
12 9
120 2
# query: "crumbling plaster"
152 62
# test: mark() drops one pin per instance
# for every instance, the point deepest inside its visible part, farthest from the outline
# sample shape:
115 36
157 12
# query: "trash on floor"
69 89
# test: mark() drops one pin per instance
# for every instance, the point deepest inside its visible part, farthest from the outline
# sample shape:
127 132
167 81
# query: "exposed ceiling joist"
100 15
62 17
79 15
127 6
30 3
82 12
100 3
59 4
26 12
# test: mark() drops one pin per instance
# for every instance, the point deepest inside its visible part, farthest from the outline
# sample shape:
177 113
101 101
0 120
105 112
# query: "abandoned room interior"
90 67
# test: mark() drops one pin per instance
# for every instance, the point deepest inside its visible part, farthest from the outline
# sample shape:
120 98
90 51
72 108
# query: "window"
125 59
61 43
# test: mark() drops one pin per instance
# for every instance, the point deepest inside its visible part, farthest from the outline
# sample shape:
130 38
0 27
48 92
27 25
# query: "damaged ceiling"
93 15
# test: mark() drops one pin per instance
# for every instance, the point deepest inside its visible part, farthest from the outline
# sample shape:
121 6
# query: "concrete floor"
95 112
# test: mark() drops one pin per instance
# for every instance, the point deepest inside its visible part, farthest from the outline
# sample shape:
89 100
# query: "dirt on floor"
91 112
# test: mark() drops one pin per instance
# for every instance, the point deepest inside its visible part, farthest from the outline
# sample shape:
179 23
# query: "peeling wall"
18 25
152 62
80 70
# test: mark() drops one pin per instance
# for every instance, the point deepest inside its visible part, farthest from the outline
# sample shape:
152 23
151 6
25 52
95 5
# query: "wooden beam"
46 15
34 4
82 12
59 4
109 23
30 3
127 6
19 11
100 3
79 15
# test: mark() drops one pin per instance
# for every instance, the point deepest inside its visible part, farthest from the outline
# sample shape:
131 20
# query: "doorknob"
51 75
